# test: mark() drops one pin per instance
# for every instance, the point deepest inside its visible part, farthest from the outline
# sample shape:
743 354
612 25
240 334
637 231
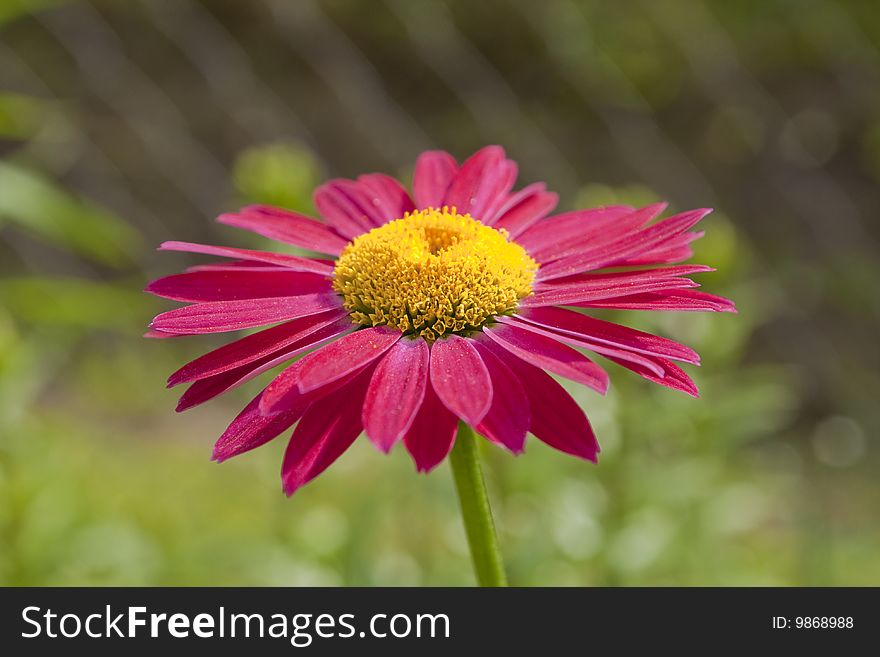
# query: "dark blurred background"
123 124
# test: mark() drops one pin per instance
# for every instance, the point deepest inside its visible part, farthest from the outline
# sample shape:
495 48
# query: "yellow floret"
431 273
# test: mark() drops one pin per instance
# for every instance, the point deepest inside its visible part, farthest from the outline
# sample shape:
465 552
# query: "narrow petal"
478 182
286 226
160 335
222 316
622 277
336 361
388 195
432 433
559 229
585 343
264 343
460 378
509 416
628 246
577 293
556 418
250 429
235 284
549 354
525 208
284 260
657 256
500 190
433 173
295 398
673 376
675 300
204 390
235 265
575 235
396 391
209 387
578 324
674 249
347 207
328 428
344 356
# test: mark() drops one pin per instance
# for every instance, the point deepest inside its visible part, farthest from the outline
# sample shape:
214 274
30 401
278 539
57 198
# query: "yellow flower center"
431 273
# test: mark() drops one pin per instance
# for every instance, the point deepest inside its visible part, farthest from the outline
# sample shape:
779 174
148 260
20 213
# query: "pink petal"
578 293
674 249
264 343
509 416
673 376
556 418
160 335
525 208
326 430
586 343
347 207
460 378
506 179
388 195
558 230
675 300
291 262
577 324
235 284
396 391
237 265
432 433
433 173
294 398
627 246
657 257
338 360
286 226
623 277
574 235
221 316
250 429
209 387
549 354
478 182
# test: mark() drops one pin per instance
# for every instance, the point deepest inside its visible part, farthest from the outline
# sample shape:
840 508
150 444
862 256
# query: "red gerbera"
442 305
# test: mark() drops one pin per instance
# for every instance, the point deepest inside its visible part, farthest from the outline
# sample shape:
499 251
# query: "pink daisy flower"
453 302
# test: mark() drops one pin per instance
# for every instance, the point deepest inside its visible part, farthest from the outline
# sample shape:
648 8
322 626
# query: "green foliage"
278 174
12 9
21 116
31 201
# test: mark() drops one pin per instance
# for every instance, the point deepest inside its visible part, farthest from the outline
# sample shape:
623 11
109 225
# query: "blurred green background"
123 124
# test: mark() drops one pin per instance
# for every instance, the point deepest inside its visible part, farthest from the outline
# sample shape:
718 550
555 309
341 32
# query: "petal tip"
383 444
289 487
226 218
422 468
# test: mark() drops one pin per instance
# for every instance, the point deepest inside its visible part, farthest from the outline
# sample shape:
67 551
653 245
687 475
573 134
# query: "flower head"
448 304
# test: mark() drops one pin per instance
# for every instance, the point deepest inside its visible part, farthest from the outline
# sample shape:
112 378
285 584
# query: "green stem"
475 509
